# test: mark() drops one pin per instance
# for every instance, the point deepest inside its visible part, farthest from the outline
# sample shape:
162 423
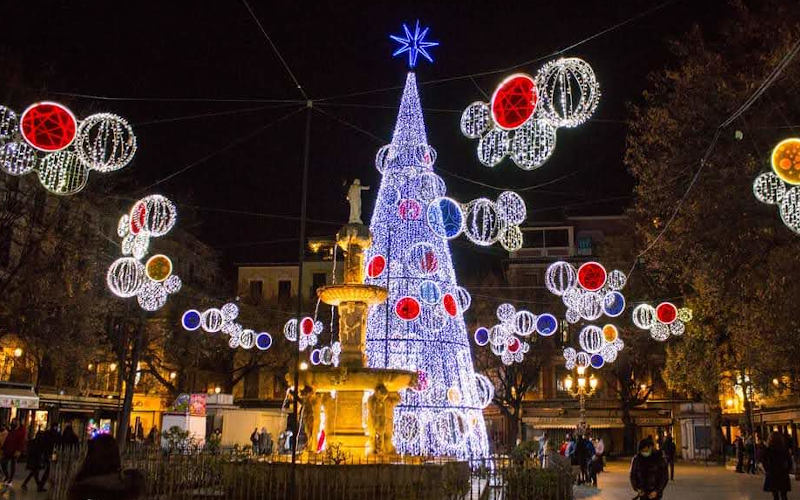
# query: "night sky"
167 66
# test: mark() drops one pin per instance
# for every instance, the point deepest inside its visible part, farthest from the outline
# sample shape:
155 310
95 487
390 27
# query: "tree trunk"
130 381
628 430
717 439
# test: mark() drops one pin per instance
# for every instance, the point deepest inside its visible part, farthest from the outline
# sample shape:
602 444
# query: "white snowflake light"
569 91
105 142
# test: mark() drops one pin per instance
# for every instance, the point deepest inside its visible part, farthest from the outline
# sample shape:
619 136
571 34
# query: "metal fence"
242 476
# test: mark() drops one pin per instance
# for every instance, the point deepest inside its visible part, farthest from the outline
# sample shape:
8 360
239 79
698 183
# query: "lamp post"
585 387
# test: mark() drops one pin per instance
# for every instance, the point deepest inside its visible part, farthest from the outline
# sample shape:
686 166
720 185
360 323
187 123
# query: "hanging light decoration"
663 320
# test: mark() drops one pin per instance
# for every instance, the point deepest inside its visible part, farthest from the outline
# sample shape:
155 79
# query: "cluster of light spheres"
503 337
48 139
782 186
524 113
153 281
663 320
309 330
223 319
328 355
599 345
588 292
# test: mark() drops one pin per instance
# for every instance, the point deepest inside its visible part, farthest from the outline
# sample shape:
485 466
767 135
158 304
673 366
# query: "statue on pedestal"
310 416
354 197
377 419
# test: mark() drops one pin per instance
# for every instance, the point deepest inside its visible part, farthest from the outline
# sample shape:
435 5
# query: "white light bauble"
247 339
511 208
790 209
230 311
105 142
211 320
476 119
560 276
616 280
572 316
511 238
677 327
644 316
492 147
173 284
582 359
463 299
590 339
659 331
152 296
482 225
9 123
524 323
290 330
428 186
154 214
769 188
17 158
533 144
484 389
125 277
609 352
569 353
505 312
590 306
425 155
568 91
62 173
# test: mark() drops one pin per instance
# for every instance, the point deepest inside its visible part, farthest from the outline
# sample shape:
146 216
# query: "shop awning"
18 398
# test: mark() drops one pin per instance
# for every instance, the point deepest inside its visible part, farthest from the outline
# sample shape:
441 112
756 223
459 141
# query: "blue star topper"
414 44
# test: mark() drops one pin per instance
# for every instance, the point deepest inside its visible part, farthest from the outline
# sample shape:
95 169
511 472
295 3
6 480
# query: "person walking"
777 464
596 462
669 450
750 454
648 471
50 440
738 445
581 458
13 446
34 460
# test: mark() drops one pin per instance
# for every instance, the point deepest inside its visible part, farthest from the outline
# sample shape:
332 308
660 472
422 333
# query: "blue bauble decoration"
445 217
191 320
597 361
429 292
546 324
613 304
482 336
263 341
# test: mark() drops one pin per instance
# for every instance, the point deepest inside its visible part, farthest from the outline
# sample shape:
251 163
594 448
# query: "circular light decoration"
533 144
569 353
511 238
666 312
17 158
616 280
610 333
505 312
513 345
445 217
429 292
384 156
514 101
406 429
233 342
451 428
482 336
524 323
644 316
61 173
212 320
289 329
327 355
454 395
482 224
546 324
191 320
463 298
590 305
409 209
315 357
572 316
306 326
786 160
247 339
9 123
152 296
376 266
105 142
172 284
492 147
609 353
597 361
660 332
233 329
590 339
677 328
484 389
476 119
613 304
230 312
48 126
568 90
125 277
407 308
449 303
511 208
619 344
768 188
425 155
582 359
155 214
790 209
422 258
685 314
592 276
559 277
428 186
158 267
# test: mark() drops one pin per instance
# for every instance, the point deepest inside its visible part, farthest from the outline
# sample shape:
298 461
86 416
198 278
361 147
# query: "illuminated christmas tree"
421 325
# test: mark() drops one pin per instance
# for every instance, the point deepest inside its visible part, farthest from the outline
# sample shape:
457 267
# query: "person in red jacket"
13 447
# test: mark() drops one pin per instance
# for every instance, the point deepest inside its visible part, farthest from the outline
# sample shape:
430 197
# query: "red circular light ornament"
306 326
48 126
514 101
428 263
666 312
449 303
513 345
376 266
592 276
407 308
138 217
409 209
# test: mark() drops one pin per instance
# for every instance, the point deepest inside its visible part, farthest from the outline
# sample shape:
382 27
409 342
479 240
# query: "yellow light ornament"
786 160
610 333
158 267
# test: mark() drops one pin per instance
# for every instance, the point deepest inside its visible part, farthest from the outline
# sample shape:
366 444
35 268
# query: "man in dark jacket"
668 447
648 471
13 447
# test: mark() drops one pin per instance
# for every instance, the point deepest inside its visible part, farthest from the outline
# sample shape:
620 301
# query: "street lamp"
18 352
172 375
583 389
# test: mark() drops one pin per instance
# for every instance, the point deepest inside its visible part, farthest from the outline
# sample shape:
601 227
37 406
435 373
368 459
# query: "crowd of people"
583 453
261 442
775 459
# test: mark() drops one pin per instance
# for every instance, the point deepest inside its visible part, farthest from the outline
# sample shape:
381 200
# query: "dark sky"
163 53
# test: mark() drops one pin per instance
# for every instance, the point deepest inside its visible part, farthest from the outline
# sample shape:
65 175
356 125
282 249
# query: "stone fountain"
357 402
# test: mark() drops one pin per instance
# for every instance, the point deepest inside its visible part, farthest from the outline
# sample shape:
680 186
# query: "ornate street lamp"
585 387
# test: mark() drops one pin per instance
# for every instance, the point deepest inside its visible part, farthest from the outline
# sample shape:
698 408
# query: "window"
545 238
284 289
256 290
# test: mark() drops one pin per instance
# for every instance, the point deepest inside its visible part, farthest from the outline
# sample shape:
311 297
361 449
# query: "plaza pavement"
692 482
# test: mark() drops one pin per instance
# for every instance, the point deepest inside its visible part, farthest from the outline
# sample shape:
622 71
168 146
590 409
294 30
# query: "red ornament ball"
592 276
666 312
513 345
48 126
428 262
307 326
407 308
376 266
138 217
514 101
409 209
449 303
